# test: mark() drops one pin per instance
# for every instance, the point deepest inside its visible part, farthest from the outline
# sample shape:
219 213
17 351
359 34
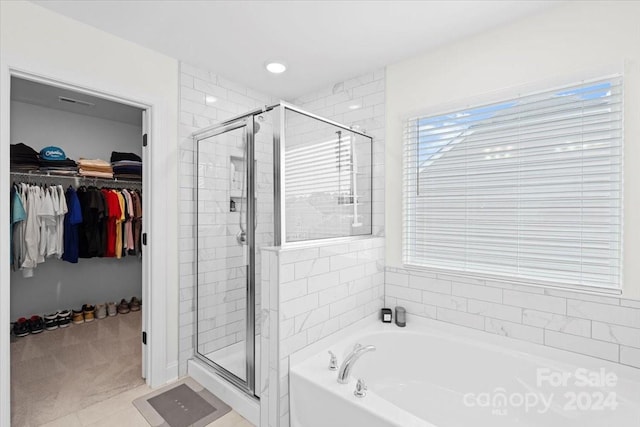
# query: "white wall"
38 41
78 135
568 43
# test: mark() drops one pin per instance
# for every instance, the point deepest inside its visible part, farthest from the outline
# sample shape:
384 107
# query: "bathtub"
433 374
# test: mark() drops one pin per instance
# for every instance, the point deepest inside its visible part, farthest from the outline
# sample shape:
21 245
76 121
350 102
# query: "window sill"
585 289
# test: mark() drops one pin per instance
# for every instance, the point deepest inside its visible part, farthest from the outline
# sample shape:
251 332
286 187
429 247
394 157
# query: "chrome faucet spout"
350 360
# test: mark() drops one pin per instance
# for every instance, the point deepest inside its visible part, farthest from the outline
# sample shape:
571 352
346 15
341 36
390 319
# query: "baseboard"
172 372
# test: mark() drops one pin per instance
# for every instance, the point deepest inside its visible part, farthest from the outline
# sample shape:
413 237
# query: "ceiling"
321 42
44 95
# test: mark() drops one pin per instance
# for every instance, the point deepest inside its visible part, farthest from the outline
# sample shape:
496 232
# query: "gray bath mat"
183 404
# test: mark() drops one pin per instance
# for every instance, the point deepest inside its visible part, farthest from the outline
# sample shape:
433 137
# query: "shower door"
225 256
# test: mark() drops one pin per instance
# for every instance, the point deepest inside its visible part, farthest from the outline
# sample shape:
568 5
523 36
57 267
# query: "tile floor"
119 411
84 375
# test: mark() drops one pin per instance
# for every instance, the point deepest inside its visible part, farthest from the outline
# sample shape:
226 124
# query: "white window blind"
529 188
324 167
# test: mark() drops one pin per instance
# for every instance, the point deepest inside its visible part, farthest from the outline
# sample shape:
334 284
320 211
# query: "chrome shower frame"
247 120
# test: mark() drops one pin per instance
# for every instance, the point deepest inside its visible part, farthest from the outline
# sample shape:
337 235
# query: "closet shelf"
77 179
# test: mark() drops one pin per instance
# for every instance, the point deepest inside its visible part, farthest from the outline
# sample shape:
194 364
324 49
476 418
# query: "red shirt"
113 213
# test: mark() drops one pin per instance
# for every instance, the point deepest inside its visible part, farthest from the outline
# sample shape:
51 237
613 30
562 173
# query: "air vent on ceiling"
75 101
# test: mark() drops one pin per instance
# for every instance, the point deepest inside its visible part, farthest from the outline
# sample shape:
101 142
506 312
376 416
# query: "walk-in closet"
76 250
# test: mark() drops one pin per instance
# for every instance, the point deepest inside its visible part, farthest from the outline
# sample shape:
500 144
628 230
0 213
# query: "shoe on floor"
134 305
21 327
101 311
89 312
36 324
112 310
64 318
123 307
78 317
51 321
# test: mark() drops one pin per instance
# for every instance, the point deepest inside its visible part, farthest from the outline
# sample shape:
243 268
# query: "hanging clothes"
72 221
49 222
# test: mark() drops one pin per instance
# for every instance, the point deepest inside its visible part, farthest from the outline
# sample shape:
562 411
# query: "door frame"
245 122
154 356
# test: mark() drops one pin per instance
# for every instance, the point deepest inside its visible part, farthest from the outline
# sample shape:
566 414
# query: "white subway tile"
323 281
497 311
429 284
413 308
311 318
483 293
534 301
616 334
339 262
291 290
403 292
333 294
625 316
287 273
583 296
298 306
514 330
316 333
342 306
460 318
311 267
443 300
191 95
630 356
557 322
582 345
351 273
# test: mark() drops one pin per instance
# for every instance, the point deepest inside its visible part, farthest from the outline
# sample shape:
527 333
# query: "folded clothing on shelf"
23 158
95 168
118 157
64 166
126 165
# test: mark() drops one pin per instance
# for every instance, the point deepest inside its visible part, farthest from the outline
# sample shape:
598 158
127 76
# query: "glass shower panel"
327 180
223 253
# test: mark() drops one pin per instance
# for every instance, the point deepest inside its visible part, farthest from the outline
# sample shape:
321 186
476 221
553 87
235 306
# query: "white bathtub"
436 374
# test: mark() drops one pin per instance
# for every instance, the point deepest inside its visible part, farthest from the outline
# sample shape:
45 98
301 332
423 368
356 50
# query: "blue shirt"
72 219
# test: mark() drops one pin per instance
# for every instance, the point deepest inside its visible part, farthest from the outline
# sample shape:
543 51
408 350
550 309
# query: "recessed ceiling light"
354 106
276 67
210 99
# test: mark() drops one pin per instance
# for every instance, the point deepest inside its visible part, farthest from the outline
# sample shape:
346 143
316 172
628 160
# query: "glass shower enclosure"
273 176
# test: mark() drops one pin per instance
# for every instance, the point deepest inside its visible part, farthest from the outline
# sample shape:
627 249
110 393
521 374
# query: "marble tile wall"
606 327
311 293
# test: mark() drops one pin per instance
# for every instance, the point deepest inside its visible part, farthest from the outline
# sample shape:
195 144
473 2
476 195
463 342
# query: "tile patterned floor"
84 375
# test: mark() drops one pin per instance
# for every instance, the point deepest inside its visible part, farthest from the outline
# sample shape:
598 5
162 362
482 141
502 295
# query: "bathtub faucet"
347 365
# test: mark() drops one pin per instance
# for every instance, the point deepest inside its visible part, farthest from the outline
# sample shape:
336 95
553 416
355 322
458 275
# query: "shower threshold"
232 358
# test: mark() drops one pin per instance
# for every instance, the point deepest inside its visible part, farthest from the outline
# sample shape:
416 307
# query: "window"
529 188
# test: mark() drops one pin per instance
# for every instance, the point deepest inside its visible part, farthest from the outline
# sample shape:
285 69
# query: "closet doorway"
79 263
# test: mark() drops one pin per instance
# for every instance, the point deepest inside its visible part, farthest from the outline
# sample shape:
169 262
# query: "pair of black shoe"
23 327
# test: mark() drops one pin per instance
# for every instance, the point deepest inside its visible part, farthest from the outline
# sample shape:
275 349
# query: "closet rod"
77 179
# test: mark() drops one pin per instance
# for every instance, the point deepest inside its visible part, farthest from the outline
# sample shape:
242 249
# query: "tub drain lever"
361 389
333 362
